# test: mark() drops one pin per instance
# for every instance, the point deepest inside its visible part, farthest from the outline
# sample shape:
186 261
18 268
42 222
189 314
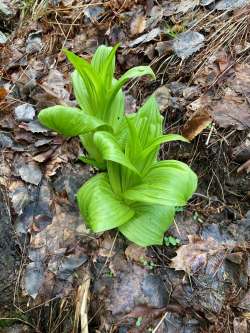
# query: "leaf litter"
203 92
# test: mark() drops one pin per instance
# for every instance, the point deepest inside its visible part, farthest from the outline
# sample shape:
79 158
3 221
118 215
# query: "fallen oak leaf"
198 121
136 253
193 256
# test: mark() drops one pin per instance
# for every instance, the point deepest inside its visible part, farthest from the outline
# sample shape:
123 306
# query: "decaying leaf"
145 38
33 278
188 43
60 233
55 82
138 25
187 5
245 302
19 196
232 111
33 126
241 82
231 4
162 95
30 173
107 246
193 256
136 253
198 121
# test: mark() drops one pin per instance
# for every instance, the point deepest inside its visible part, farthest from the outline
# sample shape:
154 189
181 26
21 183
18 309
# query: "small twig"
160 322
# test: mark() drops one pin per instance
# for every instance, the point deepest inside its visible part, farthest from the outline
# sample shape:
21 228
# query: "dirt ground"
55 274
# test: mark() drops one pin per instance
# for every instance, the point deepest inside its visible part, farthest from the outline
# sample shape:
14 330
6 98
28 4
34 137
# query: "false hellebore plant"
137 193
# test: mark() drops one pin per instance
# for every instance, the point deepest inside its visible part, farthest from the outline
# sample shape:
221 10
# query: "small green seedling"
149 264
170 240
138 193
138 321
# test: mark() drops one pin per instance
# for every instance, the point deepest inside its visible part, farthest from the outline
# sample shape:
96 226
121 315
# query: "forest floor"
57 276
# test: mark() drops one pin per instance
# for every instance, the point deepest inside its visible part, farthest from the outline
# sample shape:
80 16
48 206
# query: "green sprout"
170 240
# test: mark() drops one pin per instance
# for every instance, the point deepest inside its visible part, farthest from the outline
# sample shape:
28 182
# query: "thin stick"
160 322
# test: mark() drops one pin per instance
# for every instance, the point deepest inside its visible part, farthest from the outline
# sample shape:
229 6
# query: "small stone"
24 112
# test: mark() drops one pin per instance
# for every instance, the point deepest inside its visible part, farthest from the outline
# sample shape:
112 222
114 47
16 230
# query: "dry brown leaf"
135 253
162 95
138 25
193 256
42 157
107 246
54 164
232 111
3 93
241 82
60 233
199 120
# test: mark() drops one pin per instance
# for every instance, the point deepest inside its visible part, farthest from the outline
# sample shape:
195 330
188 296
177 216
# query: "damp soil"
9 259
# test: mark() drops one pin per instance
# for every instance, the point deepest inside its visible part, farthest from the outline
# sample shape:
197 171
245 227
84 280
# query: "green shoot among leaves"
100 99
138 193
170 240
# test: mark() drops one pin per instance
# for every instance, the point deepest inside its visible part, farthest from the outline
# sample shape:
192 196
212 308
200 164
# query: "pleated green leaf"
169 183
100 207
90 77
131 74
83 98
148 225
110 149
114 113
100 57
144 127
69 121
103 62
161 139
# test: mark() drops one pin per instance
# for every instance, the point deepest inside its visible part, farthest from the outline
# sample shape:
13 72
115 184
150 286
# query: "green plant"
137 194
100 99
170 240
138 321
